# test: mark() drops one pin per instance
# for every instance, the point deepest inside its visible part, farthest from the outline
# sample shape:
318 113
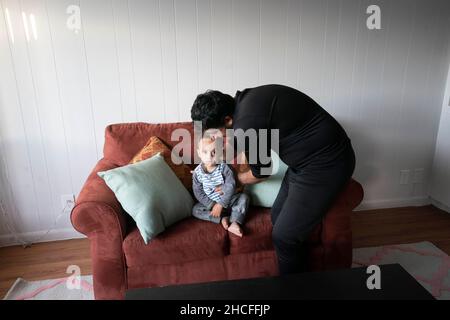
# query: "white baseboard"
393 203
54 235
440 205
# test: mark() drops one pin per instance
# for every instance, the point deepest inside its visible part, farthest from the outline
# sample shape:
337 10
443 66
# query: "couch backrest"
124 140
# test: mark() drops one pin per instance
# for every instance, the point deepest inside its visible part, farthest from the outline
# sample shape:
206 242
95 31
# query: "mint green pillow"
151 193
263 194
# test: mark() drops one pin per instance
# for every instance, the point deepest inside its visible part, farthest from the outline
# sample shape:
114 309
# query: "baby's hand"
216 210
219 190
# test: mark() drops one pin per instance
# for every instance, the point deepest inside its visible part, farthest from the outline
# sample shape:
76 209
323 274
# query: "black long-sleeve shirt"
307 133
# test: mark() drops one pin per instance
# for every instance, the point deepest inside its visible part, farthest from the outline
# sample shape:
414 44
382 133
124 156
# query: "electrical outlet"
404 176
418 175
67 201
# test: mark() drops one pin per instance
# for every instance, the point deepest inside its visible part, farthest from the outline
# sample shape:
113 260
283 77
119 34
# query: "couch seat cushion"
258 233
188 240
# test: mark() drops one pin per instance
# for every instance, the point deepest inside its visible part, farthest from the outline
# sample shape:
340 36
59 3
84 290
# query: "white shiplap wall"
440 180
147 60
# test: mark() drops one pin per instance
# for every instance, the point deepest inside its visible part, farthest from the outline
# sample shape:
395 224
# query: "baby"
214 187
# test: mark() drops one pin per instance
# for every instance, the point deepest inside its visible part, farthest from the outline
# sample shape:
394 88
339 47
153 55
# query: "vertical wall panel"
440 179
74 91
205 44
30 117
124 48
222 68
186 55
273 41
368 98
102 65
416 142
169 62
329 54
245 46
351 19
49 113
312 35
292 48
400 39
147 60
15 154
435 154
5 191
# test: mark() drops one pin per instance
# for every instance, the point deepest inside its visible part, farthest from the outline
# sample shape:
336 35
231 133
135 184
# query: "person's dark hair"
211 108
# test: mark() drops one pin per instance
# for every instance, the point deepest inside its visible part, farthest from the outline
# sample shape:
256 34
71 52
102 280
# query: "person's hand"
216 210
247 177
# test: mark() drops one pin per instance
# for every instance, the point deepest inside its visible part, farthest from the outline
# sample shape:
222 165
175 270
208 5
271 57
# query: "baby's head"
207 150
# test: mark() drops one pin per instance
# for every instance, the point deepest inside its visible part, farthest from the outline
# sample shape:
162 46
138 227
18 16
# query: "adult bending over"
312 143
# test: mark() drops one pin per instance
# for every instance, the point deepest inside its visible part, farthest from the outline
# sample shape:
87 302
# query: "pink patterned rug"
424 261
56 289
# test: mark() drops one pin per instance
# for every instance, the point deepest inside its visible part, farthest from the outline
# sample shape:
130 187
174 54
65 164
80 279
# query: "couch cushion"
258 233
188 240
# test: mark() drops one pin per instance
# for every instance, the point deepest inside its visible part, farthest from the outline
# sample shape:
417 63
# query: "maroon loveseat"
191 250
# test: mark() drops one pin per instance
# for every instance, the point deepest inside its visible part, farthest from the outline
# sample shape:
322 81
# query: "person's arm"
260 166
228 187
259 170
245 173
247 177
200 194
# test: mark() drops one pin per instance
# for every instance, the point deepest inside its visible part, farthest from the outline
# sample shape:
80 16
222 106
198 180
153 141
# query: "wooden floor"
370 228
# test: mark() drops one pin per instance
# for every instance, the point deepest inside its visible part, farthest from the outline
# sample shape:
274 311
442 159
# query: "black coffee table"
346 284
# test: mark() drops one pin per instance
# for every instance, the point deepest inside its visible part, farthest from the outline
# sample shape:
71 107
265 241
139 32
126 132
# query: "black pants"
305 196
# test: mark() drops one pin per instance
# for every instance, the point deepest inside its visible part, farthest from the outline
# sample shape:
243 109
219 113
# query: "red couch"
191 250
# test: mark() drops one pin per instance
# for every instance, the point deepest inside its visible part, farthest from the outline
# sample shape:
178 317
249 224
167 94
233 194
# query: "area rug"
424 261
70 288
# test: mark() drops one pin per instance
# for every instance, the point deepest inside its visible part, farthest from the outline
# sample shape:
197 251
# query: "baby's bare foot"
236 229
225 222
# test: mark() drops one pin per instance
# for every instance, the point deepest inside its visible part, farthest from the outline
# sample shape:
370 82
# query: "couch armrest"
97 199
356 194
98 214
336 227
